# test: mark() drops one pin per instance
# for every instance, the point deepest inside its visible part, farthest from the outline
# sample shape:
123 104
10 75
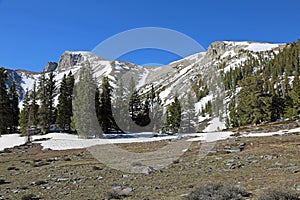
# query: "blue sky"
34 32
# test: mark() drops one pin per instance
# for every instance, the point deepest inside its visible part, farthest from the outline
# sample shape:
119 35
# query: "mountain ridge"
168 80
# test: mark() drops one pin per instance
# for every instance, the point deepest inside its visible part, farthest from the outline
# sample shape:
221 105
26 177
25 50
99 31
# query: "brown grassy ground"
266 163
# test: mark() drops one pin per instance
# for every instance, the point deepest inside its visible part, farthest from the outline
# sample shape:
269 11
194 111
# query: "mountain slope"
177 78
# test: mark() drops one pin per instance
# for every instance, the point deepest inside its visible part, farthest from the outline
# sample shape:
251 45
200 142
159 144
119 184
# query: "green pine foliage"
64 107
24 114
33 108
106 119
199 88
269 87
83 104
173 117
5 112
189 118
14 108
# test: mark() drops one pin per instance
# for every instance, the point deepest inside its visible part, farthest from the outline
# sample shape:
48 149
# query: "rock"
230 160
234 150
68 60
186 150
30 197
51 66
292 167
237 166
97 168
40 182
118 194
126 191
241 144
13 168
61 179
125 176
39 163
176 161
297 187
67 159
148 170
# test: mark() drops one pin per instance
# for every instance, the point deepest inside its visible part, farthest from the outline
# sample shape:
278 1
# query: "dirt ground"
265 163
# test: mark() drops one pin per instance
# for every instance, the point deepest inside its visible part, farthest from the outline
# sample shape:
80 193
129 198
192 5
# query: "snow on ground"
256 47
281 132
211 137
215 125
63 141
11 140
143 79
201 104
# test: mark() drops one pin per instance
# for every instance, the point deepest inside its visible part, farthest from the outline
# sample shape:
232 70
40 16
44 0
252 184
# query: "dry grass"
75 174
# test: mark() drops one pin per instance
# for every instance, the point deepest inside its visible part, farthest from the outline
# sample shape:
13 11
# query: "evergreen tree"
64 107
84 113
43 114
253 103
63 116
107 121
70 86
33 108
51 94
173 116
189 114
293 108
23 121
14 108
46 95
120 107
4 103
156 112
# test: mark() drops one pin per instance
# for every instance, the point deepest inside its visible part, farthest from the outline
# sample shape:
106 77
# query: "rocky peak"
219 48
51 66
69 59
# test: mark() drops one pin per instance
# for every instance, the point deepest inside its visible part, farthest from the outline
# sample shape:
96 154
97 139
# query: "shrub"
30 197
279 195
217 192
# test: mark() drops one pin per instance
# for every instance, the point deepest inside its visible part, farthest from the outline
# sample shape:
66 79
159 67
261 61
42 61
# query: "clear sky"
33 32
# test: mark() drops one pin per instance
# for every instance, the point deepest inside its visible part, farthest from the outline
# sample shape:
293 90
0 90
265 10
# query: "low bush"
279 195
217 192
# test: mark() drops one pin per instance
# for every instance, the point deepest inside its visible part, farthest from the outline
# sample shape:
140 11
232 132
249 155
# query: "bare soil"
265 163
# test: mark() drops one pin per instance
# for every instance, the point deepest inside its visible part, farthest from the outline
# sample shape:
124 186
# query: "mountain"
192 74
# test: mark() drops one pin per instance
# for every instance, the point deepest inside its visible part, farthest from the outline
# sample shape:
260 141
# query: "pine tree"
23 121
120 107
46 95
33 108
43 114
156 112
107 121
64 107
63 117
4 103
14 108
253 103
173 114
84 113
51 94
189 114
293 108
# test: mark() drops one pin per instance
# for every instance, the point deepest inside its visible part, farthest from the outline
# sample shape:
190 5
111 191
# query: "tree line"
40 111
269 87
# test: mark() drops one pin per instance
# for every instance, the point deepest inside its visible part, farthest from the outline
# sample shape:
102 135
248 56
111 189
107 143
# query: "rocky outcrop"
68 60
50 67
219 48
